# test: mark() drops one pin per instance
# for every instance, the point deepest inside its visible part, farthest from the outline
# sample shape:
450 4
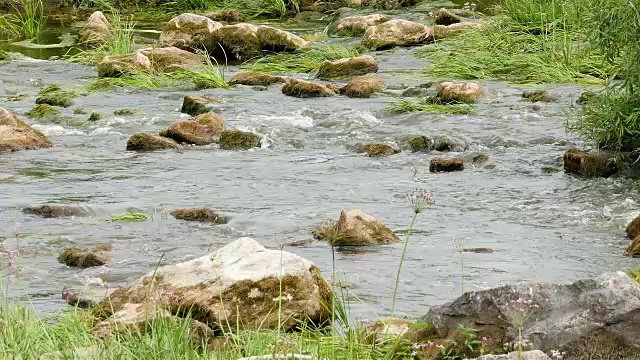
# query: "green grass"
426 105
121 43
128 216
304 61
27 21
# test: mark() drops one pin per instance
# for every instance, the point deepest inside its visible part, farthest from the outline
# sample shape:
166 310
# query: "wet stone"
588 165
200 215
446 165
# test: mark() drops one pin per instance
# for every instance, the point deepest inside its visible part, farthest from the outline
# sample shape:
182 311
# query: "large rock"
276 40
85 257
362 87
97 31
459 92
243 284
196 105
255 79
239 140
203 129
16 135
396 33
588 165
306 89
55 210
357 25
181 30
149 142
114 66
344 68
595 317
633 228
356 228
169 59
230 16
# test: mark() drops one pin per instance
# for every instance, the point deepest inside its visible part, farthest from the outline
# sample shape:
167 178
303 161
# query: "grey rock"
526 355
447 143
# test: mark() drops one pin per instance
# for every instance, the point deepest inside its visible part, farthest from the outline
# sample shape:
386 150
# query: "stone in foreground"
362 87
200 215
446 165
396 33
344 68
357 25
150 142
238 285
464 92
356 228
306 89
15 135
588 165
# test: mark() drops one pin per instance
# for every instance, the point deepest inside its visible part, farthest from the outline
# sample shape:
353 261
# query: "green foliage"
210 75
120 43
257 8
304 61
182 5
634 273
27 20
128 216
428 105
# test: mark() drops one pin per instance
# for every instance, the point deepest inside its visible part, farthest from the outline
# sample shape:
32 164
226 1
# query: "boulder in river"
396 33
85 257
243 284
445 17
442 32
239 140
115 66
448 143
306 89
255 79
181 30
200 215
54 95
362 87
230 16
345 68
170 59
375 150
416 143
538 95
588 165
446 165
357 25
55 211
355 228
16 135
203 129
633 228
149 142
43 112
591 317
96 32
196 105
459 92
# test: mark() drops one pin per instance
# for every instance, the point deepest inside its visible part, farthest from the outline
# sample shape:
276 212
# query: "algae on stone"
362 87
43 112
149 142
84 257
55 96
239 140
306 89
376 150
200 215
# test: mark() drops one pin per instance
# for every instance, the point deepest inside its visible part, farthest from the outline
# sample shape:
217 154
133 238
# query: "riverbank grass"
26 21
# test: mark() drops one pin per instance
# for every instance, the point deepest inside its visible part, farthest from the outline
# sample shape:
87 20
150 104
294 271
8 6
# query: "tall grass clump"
27 21
183 5
304 61
120 43
256 8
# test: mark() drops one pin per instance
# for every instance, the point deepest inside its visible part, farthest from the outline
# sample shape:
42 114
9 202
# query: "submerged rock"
588 165
445 17
149 142
396 33
357 25
306 89
240 285
43 112
633 228
125 112
362 87
201 215
416 143
95 116
170 59
344 68
54 95
446 165
86 297
355 228
115 66
255 79
181 30
588 317
446 143
196 105
442 32
96 32
84 257
231 16
375 150
538 95
239 140
15 135
203 129
55 211
587 97
462 92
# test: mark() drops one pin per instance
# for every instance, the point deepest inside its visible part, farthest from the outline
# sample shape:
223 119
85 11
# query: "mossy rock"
587 97
230 16
84 257
125 112
376 150
203 129
538 96
43 112
239 140
255 79
344 68
633 229
196 105
4 56
55 96
634 248
306 89
415 143
55 211
95 117
589 165
362 87
355 228
445 17
79 111
200 215
446 165
149 142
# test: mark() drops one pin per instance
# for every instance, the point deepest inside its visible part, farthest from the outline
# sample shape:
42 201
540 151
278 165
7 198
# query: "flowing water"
543 224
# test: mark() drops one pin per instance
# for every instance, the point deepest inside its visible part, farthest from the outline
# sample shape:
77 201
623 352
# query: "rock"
43 112
201 215
96 32
229 16
599 316
634 248
376 150
515 355
182 29
203 129
237 285
114 66
84 257
633 228
357 25
422 91
196 105
446 143
86 297
306 89
588 165
479 160
467 92
79 111
416 143
445 17
55 211
239 140
4 57
587 97
386 328
396 33
446 165
362 87
345 68
538 95
149 142
170 59
95 116
16 135
255 79
276 40
442 32
125 112
355 228
83 353
479 250
55 96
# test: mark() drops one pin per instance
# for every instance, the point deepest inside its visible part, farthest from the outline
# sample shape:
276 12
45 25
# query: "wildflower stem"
462 272
404 251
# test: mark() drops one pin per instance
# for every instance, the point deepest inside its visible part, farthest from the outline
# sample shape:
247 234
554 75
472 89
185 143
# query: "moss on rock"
199 214
239 140
357 25
171 59
588 165
95 117
376 150
85 257
196 105
633 228
446 165
445 17
43 112
306 89
344 68
55 96
397 32
355 228
203 129
538 95
55 211
125 112
255 79
362 87
149 142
